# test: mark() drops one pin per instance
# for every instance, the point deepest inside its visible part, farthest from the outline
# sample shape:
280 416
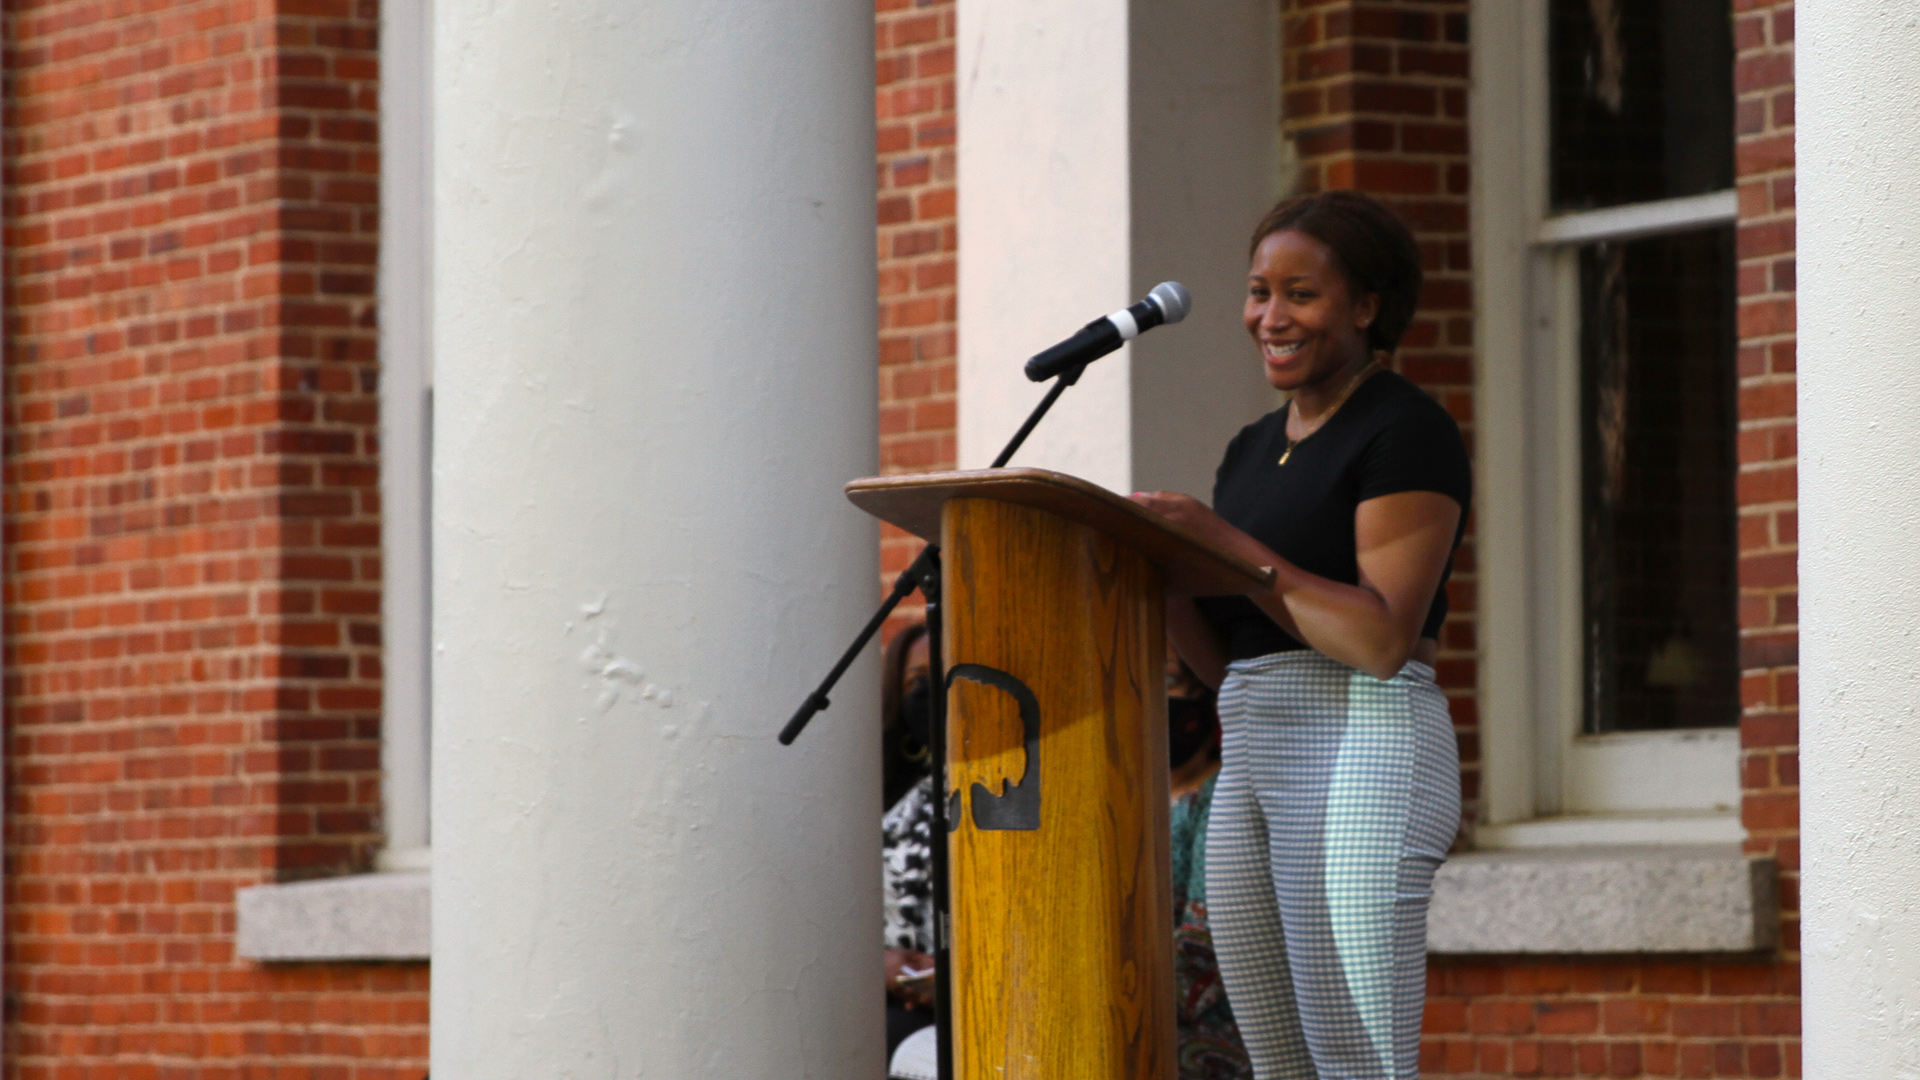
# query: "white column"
1105 146
1857 85
654 339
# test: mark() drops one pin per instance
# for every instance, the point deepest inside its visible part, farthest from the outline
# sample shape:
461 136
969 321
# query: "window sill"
385 916
1679 898
416 858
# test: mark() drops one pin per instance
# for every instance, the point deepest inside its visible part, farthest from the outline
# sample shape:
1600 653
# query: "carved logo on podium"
1018 806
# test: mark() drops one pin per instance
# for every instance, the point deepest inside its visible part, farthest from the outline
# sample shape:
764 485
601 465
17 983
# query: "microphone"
1167 303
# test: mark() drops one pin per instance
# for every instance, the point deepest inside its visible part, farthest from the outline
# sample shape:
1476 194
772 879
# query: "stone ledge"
1684 899
364 917
1707 898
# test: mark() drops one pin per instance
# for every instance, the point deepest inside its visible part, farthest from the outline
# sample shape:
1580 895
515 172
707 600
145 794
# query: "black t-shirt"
1388 437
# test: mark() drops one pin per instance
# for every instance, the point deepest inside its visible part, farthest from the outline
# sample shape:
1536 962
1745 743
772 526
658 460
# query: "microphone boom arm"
1168 302
914 576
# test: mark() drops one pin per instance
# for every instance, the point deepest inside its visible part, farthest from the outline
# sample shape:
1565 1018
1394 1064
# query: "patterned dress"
907 869
1209 1045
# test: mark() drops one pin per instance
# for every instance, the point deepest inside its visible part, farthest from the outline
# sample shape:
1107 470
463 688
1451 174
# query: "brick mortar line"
46 148
261 49
259 206
252 272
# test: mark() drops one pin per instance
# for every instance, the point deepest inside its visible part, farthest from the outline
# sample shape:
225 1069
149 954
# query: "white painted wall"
1521 759
1044 224
1208 161
1857 85
406 376
654 350
1105 146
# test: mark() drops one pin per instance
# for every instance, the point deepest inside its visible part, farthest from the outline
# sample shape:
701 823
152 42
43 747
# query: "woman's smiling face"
1302 313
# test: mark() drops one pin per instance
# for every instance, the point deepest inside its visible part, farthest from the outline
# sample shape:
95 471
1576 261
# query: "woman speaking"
1339 792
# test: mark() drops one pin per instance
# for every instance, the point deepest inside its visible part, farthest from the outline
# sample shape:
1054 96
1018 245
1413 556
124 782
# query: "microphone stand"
924 574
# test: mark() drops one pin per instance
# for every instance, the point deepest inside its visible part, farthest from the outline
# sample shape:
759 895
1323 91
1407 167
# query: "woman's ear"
1367 310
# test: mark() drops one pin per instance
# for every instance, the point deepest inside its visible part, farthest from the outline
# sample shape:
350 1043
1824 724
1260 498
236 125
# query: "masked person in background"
907 833
1209 1045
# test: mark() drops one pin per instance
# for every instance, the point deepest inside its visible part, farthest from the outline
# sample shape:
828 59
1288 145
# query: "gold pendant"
1285 456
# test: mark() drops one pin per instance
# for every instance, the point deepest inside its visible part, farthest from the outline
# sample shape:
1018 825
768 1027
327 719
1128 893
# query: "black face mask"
911 737
1191 723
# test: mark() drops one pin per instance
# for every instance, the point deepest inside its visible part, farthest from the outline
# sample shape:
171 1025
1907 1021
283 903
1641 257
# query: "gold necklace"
1345 391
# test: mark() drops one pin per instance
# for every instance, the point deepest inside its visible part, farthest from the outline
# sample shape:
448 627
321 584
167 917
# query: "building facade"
193 533
202 417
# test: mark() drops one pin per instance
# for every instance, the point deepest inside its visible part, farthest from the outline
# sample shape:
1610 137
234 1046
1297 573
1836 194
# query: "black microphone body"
1095 340
1167 303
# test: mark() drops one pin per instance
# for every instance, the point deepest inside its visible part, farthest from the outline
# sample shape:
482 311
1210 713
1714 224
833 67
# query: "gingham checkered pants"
1338 797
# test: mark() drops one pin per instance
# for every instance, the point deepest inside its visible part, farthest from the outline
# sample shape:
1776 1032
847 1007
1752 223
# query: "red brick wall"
1620 1017
918 252
192 533
1769 590
1375 98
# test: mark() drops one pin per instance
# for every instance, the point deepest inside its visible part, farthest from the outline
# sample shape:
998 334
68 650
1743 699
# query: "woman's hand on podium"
1192 638
1198 518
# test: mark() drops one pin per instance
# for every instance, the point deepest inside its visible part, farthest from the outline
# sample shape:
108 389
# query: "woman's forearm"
1195 641
1348 623
1402 542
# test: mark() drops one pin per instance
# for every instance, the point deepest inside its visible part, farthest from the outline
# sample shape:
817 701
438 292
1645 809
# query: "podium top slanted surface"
1192 565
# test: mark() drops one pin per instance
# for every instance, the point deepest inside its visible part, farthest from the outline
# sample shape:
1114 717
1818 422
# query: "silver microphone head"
1172 299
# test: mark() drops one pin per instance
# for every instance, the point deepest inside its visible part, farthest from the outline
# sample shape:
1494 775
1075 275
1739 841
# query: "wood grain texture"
1191 565
1062 936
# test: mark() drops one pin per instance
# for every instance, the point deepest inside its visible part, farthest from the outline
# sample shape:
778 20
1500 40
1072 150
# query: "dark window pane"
1658 458
1642 100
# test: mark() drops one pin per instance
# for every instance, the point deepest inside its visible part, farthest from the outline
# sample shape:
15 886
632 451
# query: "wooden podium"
1054 646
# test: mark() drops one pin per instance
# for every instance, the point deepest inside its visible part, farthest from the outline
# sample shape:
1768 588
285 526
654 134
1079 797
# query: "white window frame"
406 429
1544 782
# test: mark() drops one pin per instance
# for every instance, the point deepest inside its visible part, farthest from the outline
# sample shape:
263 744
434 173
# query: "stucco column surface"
654 363
1857 87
